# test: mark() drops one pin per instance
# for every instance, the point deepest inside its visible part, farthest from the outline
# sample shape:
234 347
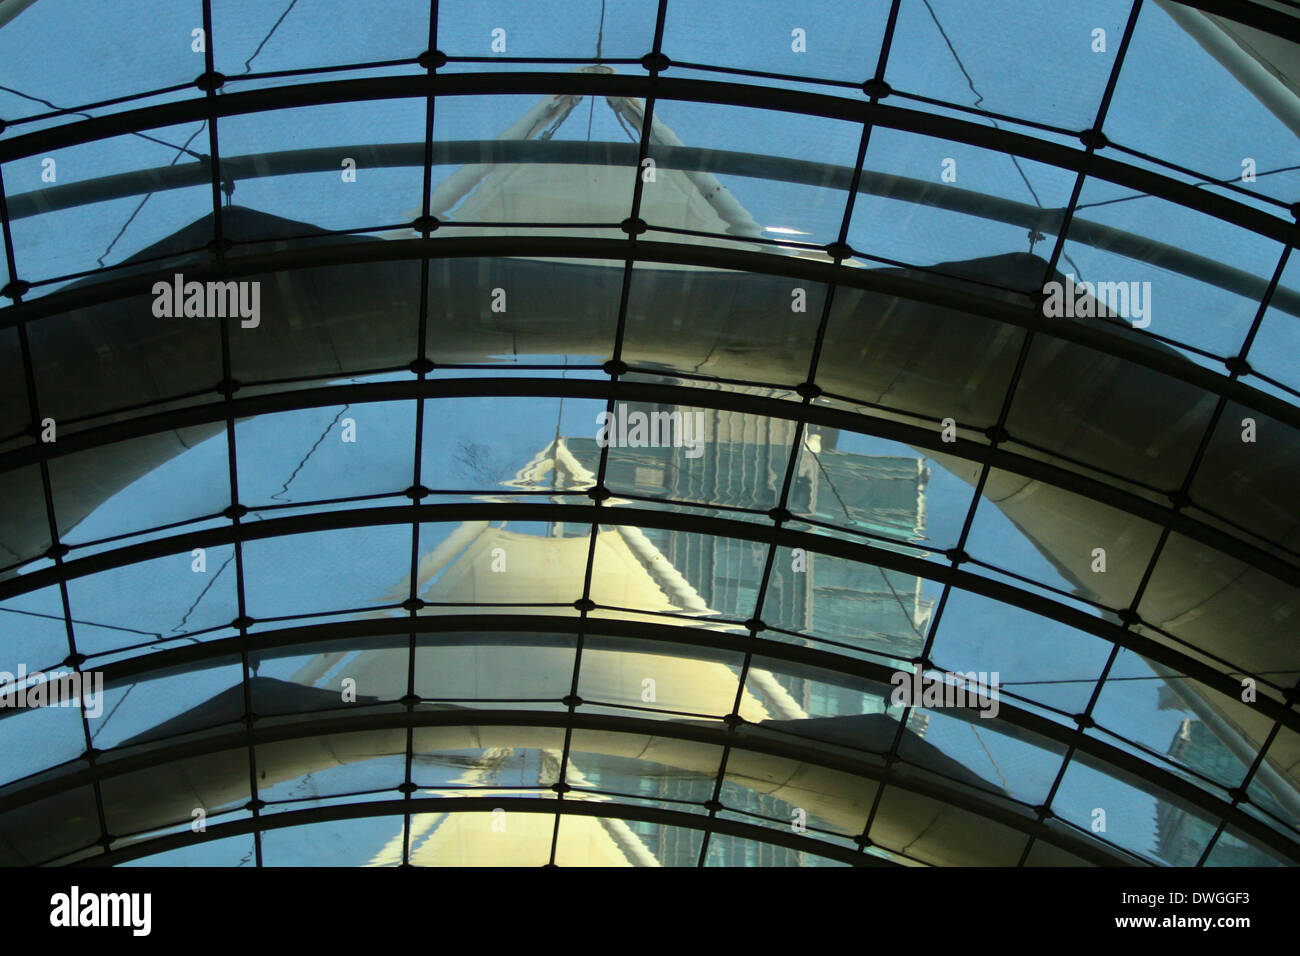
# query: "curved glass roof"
487 433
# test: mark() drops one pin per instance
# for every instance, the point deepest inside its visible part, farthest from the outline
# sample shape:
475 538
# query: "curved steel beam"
515 630
755 741
622 390
662 88
672 521
612 809
575 152
951 292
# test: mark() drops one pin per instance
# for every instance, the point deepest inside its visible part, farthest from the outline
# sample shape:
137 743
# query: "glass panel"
665 768
332 843
27 523
655 676
1170 714
1035 657
32 631
821 800
505 311
161 706
99 60
330 765
477 669
1169 119
940 834
1246 474
548 29
536 165
838 42
1093 421
141 483
514 761
727 850
652 569
692 454
961 53
900 354
737 325
491 838
212 788
861 605
882 488
1231 849
1138 246
116 355
1077 544
155 600
36 738
514 565
1211 600
228 851
823 705
317 454
947 205
599 841
508 444
254 36
1132 814
294 163
310 573
28 839
322 320
84 220
803 201
965 747
323 665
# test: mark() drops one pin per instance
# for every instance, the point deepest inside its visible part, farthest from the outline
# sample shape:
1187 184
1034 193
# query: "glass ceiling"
380 570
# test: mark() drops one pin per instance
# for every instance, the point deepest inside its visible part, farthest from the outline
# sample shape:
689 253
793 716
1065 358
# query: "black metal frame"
413 805
871 113
783 746
634 249
393 632
630 391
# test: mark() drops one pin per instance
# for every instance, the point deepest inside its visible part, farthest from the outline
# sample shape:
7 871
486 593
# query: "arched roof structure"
589 413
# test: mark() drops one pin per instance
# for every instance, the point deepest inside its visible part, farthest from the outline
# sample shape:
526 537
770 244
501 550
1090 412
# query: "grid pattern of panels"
979 554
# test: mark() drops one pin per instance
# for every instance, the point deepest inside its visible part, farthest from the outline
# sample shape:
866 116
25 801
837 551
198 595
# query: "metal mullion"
1184 492
1100 340
323 636
1255 326
810 392
1239 794
57 550
746 95
998 434
1075 482
229 385
603 810
420 367
721 527
1085 719
599 492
